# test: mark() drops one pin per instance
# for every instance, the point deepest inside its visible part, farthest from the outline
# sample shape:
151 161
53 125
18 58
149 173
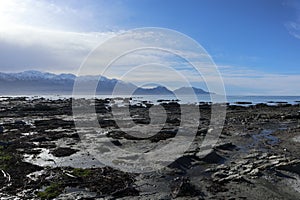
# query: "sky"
255 44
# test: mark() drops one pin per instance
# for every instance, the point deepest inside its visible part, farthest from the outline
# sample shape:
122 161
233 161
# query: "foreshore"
42 156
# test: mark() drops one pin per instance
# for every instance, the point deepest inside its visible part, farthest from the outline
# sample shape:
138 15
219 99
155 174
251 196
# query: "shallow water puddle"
265 136
80 159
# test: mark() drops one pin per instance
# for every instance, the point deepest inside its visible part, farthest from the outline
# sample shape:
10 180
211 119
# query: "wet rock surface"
63 151
42 156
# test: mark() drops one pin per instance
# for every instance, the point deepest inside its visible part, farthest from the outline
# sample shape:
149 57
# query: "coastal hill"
44 83
187 90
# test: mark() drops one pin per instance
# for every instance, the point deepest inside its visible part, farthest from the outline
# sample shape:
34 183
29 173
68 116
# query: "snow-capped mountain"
44 83
36 82
36 75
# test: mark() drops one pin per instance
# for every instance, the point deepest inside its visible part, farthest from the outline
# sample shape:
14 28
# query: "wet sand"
42 155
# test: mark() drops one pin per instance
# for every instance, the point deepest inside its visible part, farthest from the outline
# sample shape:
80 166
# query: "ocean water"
190 99
228 99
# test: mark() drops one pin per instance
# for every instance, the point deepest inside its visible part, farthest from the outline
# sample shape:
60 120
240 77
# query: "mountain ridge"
37 82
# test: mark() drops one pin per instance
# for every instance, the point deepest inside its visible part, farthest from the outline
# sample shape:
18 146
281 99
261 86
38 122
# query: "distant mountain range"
44 83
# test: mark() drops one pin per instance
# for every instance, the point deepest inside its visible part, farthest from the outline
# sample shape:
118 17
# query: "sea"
189 99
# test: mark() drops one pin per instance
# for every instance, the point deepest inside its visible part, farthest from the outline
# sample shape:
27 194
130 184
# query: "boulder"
181 187
227 147
213 157
63 151
116 142
293 167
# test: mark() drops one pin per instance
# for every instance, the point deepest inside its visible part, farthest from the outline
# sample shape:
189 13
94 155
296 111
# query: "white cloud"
63 15
51 50
49 36
242 80
294 29
293 26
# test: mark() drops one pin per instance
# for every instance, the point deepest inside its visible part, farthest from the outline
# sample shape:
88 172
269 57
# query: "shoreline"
232 100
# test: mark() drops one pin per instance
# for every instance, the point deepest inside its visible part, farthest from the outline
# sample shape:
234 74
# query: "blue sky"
244 33
255 43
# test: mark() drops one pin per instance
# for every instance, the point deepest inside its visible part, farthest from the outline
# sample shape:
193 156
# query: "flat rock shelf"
41 155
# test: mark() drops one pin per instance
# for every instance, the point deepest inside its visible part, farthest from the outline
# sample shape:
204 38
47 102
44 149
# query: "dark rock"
107 181
128 191
116 142
261 105
202 131
74 136
104 123
237 107
63 151
20 123
47 144
53 124
1 129
43 107
39 139
227 147
174 121
116 134
163 135
33 151
182 187
292 116
162 100
142 121
281 102
184 162
5 144
243 102
213 157
292 167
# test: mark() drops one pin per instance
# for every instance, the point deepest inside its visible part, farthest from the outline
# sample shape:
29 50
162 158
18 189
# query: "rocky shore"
42 157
